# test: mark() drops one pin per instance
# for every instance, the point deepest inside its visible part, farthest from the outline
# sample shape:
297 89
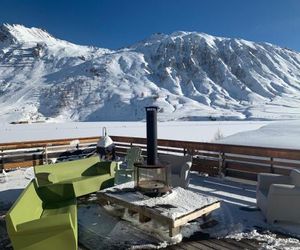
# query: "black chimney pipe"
151 120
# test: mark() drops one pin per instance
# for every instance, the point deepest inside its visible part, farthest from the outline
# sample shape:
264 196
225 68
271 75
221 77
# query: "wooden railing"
212 158
31 153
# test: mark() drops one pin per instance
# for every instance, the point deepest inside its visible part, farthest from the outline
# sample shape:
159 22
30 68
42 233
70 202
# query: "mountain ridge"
189 75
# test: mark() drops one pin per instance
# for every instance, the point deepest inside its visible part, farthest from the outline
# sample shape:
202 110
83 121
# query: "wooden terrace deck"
235 161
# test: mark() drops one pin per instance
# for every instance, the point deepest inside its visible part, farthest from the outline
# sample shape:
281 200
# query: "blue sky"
118 23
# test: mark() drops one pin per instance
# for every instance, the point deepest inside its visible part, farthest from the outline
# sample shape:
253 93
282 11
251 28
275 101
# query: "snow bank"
285 134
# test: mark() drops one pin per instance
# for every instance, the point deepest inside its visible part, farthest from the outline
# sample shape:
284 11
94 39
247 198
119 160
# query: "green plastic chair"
86 175
125 171
43 220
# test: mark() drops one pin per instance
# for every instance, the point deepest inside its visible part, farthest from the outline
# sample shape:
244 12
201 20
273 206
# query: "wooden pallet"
147 213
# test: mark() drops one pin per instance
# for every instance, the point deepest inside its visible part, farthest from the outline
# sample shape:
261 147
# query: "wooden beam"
24 164
195 214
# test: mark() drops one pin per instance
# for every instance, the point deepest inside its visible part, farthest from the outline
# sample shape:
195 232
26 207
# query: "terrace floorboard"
216 244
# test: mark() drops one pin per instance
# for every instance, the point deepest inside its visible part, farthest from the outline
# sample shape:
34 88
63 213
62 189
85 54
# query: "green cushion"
65 207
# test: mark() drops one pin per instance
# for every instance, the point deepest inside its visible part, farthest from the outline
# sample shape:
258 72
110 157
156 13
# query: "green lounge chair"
34 223
86 175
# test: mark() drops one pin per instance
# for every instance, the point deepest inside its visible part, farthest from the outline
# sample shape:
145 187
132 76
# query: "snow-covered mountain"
189 75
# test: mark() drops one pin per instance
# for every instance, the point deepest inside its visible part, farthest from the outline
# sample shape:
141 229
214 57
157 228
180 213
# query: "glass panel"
151 179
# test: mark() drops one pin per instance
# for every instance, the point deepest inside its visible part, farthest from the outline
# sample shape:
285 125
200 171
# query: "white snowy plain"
279 134
189 131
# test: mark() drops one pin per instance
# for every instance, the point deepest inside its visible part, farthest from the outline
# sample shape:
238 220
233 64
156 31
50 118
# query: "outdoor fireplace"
151 179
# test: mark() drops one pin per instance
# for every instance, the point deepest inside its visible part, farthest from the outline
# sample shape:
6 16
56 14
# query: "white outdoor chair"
125 170
278 196
180 167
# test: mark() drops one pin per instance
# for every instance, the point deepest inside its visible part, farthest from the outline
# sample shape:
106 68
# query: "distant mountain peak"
20 33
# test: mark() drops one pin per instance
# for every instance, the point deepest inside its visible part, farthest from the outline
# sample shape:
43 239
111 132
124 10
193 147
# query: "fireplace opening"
152 180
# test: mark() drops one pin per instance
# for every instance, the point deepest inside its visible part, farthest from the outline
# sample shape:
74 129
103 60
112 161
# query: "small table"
175 209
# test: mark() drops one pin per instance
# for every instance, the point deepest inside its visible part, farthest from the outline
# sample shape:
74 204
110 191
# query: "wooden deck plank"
220 243
174 247
200 245
189 246
213 245
181 246
240 244
216 244
251 243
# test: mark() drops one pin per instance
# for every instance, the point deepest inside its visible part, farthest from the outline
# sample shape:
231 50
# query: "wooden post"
272 166
34 160
2 163
191 152
46 155
221 164
174 231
